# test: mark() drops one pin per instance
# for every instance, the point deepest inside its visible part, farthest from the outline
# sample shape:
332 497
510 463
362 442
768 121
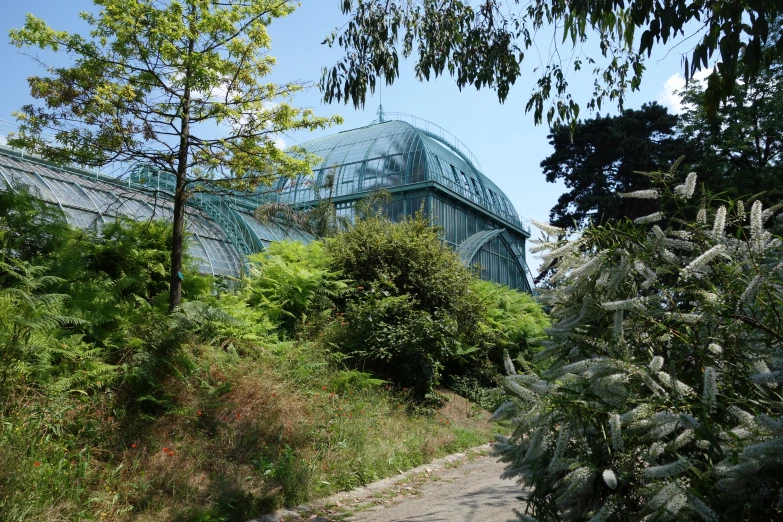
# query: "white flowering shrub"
660 397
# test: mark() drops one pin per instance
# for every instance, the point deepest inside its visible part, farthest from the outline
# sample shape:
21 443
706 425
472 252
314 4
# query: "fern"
34 335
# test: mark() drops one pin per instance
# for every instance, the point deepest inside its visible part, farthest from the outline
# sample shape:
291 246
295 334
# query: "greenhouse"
221 233
419 164
423 167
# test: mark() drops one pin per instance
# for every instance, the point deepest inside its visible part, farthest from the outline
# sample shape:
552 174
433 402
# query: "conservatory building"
420 165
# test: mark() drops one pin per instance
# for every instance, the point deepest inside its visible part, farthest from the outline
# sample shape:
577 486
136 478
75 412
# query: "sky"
507 143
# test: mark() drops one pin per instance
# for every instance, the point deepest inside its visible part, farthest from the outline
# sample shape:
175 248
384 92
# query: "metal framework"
224 234
416 160
423 166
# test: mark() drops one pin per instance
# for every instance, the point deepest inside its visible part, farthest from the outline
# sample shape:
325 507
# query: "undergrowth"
241 401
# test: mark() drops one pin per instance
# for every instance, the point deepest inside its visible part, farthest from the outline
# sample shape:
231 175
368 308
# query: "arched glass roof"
393 154
221 234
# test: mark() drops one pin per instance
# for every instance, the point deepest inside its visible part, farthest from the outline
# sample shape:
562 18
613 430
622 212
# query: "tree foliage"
660 393
739 150
485 45
412 310
602 156
150 83
736 154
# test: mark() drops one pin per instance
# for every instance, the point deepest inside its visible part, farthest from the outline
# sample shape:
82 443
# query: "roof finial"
380 113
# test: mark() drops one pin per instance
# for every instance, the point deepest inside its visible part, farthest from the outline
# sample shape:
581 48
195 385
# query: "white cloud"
669 95
280 143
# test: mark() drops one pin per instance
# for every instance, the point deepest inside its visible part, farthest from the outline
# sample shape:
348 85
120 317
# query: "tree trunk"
180 196
177 239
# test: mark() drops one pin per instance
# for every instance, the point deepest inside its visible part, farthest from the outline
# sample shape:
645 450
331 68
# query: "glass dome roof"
221 233
393 154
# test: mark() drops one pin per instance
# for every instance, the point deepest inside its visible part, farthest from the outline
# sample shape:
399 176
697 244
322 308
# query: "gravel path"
464 487
471 492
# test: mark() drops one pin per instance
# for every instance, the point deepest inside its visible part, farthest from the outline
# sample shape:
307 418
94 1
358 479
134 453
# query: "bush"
412 309
79 308
659 394
511 322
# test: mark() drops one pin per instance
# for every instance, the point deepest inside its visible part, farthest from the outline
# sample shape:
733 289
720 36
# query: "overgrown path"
470 492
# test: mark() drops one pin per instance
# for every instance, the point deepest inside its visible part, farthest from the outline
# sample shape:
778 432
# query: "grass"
246 432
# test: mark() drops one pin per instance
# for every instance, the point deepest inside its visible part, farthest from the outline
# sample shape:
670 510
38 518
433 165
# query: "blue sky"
503 137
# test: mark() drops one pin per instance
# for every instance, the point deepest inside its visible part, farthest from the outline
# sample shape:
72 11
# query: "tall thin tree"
174 84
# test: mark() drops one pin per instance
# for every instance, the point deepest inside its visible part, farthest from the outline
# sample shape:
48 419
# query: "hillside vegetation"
318 371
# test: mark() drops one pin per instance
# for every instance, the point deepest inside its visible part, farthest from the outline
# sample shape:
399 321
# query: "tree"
485 45
659 397
153 83
413 310
604 155
740 150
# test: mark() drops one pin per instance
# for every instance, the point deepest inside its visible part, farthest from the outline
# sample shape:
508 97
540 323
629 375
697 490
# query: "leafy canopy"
154 83
739 149
153 78
601 156
485 45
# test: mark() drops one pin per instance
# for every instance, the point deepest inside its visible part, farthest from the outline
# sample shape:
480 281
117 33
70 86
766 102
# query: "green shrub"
511 322
35 345
478 390
79 308
412 309
659 397
30 228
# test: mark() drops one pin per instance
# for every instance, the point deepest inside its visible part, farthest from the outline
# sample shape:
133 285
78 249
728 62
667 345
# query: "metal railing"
439 133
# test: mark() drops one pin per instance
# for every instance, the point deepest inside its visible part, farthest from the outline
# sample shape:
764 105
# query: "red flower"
316 395
165 450
274 395
171 453
323 387
199 413
239 415
133 445
36 464
222 418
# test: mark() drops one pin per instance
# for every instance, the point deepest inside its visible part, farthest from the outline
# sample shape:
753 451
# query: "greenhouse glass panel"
349 179
37 186
476 189
223 262
137 209
69 195
81 218
107 203
199 255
